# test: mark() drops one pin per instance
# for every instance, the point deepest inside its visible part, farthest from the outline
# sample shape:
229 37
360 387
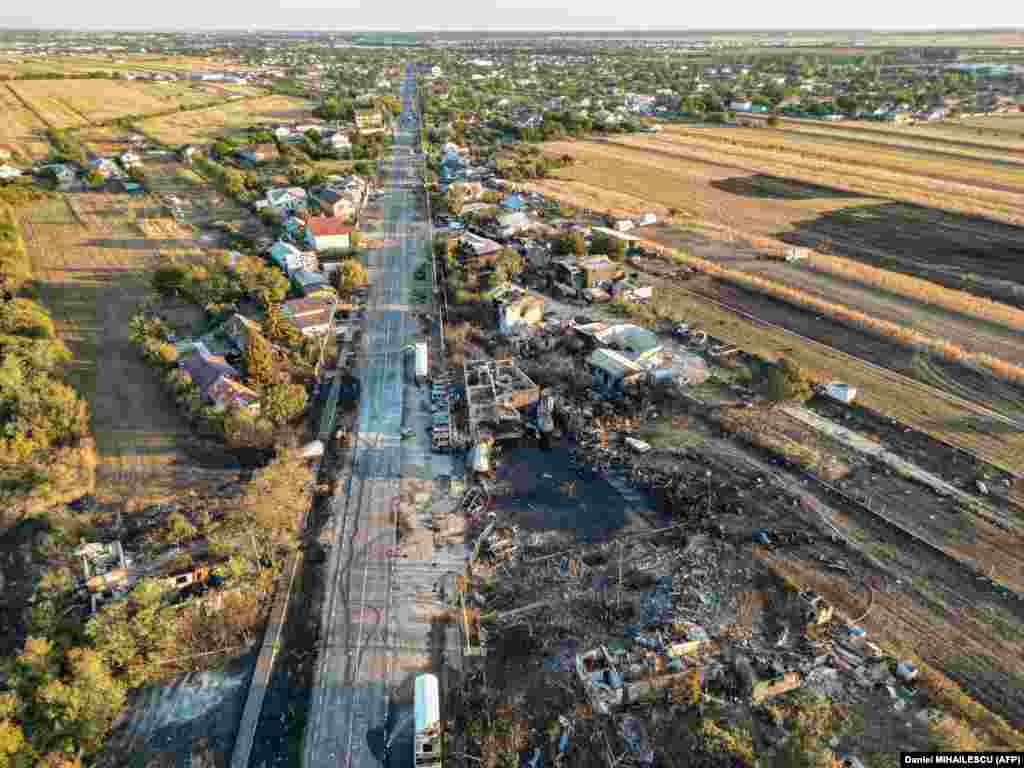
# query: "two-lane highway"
349 699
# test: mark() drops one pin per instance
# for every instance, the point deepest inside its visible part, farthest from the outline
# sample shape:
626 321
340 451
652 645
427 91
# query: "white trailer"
427 721
422 361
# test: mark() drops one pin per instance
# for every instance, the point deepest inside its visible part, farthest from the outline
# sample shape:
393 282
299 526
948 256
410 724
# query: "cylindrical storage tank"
422 361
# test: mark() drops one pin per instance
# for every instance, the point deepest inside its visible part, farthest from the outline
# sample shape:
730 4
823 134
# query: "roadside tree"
283 402
350 275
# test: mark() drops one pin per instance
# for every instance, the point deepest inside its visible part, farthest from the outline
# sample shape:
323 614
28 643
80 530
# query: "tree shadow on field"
762 185
939 241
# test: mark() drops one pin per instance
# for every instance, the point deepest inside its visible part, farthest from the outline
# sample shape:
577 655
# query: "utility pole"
707 474
618 601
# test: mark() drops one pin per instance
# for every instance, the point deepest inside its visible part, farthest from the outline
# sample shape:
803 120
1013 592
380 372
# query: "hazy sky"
508 14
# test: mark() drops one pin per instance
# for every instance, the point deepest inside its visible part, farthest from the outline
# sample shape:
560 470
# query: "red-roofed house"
328 232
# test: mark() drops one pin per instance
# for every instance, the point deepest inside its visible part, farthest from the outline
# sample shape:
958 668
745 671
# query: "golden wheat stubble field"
72 104
771 192
92 262
206 125
941 137
20 128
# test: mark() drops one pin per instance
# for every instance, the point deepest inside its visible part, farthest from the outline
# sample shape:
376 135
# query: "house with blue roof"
513 203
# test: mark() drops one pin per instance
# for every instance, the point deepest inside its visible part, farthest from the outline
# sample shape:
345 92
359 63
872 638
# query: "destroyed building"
495 393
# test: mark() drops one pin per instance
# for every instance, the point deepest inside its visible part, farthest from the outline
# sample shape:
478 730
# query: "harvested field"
966 332
961 252
204 125
92 263
1002 175
71 105
21 128
854 171
122 62
948 136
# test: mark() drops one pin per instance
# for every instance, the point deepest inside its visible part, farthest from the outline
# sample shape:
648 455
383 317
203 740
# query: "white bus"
428 723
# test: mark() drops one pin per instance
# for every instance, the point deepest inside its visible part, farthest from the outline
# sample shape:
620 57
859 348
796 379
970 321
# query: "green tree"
170 280
785 381
283 402
259 361
350 276
179 529
244 428
95 179
132 635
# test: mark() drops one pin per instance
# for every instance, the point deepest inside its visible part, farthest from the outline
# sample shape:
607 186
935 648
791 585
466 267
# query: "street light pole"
707 474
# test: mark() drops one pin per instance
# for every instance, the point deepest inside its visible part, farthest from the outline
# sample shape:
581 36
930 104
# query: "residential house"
257 153
516 310
286 256
328 233
513 203
226 392
9 172
188 153
206 369
130 159
339 203
103 166
286 199
311 316
477 250
282 133
339 142
309 282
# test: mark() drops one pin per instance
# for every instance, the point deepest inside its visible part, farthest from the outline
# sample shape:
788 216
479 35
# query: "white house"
9 172
325 233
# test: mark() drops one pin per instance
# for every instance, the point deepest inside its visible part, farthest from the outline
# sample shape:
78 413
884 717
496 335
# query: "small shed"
840 392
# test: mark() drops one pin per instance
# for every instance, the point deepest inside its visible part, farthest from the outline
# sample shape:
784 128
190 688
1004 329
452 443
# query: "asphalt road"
348 713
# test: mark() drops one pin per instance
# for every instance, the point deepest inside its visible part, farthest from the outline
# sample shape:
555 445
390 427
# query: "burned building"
495 391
